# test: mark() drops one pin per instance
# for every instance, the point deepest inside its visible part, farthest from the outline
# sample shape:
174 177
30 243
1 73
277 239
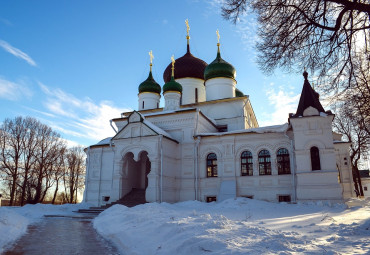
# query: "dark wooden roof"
309 97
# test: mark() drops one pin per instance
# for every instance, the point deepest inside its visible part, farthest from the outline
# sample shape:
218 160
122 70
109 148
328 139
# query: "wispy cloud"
80 117
282 103
6 22
17 52
13 91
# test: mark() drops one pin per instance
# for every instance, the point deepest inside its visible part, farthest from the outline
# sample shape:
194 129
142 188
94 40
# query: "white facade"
165 153
193 90
148 100
219 88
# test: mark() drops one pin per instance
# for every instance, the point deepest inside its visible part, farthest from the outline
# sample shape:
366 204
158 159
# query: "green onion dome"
238 93
219 68
172 85
150 85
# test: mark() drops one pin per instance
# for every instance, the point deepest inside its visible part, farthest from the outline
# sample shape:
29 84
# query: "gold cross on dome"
173 60
218 36
187 27
151 56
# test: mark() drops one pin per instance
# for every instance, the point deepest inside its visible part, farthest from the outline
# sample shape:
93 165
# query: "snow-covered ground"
238 226
15 220
235 226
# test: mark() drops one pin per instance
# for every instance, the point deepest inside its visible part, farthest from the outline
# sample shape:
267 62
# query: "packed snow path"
62 235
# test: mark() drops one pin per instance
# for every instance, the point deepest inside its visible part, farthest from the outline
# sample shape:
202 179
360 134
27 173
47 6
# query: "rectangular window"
211 199
250 197
284 198
365 188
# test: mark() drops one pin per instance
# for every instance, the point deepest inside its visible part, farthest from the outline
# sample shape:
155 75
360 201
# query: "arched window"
315 158
246 163
264 161
283 162
196 95
212 165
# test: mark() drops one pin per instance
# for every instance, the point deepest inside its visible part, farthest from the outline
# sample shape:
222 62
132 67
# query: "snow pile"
12 226
237 226
15 220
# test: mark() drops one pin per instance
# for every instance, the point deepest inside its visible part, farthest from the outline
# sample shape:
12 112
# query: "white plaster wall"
343 163
366 183
318 184
219 88
172 100
188 90
151 100
226 113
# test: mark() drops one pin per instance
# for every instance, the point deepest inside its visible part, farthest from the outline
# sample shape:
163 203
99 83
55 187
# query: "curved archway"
136 176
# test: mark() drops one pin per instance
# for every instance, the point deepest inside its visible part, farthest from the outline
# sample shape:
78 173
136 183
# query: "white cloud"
80 117
282 103
12 90
17 52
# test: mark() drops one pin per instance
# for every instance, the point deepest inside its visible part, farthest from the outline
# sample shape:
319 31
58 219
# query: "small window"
284 198
315 158
283 161
143 105
249 197
246 163
157 105
211 199
365 188
222 128
212 165
264 162
196 95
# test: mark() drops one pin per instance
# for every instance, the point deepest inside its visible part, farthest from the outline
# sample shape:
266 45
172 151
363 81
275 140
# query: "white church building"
205 144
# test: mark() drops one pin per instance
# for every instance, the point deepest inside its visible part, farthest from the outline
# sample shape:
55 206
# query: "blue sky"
76 64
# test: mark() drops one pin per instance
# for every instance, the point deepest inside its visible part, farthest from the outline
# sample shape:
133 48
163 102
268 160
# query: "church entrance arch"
136 173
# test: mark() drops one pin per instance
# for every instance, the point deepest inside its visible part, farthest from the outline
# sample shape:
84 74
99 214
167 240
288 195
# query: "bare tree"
324 35
74 176
29 144
347 124
58 171
47 154
12 134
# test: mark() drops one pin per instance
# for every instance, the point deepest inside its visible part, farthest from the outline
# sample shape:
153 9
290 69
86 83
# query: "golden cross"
151 56
173 60
218 36
187 26
173 65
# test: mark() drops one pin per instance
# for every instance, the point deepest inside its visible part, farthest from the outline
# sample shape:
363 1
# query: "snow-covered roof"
105 141
166 112
157 129
260 130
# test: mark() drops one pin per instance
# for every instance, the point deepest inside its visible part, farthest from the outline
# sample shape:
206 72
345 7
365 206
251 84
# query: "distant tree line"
36 164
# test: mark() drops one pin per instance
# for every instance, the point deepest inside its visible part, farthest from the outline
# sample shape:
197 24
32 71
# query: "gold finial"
173 65
151 59
218 40
187 29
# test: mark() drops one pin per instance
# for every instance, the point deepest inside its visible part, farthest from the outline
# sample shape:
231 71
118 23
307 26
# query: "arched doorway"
136 181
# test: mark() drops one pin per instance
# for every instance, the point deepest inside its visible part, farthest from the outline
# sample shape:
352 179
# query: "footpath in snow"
14 221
